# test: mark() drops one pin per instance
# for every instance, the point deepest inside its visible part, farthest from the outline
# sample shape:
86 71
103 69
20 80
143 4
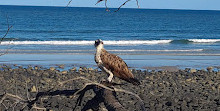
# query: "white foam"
204 40
130 42
178 50
47 42
137 42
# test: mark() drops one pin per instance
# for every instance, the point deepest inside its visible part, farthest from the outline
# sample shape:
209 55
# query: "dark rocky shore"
182 90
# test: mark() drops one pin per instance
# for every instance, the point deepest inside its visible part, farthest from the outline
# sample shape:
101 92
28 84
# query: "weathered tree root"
105 92
102 95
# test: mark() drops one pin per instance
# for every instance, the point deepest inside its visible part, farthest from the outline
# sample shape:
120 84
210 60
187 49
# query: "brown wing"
116 65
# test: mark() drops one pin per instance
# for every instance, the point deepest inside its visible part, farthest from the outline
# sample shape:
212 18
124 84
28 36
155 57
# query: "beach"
186 89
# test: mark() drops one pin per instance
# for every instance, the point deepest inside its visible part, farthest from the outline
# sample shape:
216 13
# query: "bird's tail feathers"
134 81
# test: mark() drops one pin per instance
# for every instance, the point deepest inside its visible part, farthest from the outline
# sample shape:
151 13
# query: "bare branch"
68 3
9 27
6 52
14 97
106 7
98 1
122 5
27 93
38 108
137 4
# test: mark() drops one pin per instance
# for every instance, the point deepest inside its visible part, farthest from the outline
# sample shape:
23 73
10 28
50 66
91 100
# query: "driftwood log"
106 96
105 92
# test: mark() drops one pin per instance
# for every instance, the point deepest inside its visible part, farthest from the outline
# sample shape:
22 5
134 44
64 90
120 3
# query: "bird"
112 64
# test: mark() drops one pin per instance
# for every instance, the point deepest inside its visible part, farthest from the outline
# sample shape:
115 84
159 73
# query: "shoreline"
142 62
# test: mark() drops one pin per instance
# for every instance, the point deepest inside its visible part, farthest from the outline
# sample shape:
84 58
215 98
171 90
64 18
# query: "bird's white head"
98 44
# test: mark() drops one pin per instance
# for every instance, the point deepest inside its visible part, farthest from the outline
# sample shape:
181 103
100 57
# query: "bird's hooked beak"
98 42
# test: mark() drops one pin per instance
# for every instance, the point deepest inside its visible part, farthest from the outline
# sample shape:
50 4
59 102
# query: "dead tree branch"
68 3
98 1
9 27
102 95
38 108
107 91
16 98
122 5
106 7
137 3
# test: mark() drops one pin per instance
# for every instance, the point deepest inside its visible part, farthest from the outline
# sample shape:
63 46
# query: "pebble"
15 65
187 69
62 66
64 72
33 89
30 67
84 69
96 70
193 70
36 68
73 69
218 73
80 69
188 80
52 68
90 69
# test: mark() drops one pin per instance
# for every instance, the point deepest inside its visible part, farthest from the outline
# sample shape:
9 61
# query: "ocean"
142 37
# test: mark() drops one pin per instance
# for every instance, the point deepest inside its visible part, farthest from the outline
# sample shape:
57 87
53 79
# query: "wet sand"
133 61
185 90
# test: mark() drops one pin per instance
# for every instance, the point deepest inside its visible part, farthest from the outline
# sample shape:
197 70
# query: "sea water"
142 37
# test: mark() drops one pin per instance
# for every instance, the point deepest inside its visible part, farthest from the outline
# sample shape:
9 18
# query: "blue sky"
153 4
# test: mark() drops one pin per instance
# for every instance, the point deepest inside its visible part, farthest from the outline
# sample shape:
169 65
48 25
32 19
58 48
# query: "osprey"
112 64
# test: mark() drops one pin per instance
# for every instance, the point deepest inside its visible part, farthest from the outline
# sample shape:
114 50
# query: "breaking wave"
130 42
108 42
204 40
177 50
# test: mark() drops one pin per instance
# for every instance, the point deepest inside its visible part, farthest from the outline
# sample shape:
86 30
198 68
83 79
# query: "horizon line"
114 7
